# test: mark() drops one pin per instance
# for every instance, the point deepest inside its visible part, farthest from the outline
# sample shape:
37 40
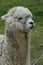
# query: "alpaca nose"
31 23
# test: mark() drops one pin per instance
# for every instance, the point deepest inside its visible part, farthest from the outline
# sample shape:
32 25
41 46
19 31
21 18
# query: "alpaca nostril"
31 23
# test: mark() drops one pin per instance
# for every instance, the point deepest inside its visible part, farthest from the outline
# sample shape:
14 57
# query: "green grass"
36 6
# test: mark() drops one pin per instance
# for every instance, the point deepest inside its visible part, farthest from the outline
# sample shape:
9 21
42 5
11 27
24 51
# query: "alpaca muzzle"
32 25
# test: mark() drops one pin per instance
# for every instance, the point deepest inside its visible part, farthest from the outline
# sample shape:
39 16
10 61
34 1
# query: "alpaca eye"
20 18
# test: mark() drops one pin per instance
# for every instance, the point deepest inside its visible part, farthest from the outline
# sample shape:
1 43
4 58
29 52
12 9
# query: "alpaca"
16 44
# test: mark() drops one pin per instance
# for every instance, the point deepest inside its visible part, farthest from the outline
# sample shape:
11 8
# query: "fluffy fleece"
16 45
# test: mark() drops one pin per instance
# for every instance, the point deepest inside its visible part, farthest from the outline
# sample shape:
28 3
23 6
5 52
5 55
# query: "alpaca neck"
20 42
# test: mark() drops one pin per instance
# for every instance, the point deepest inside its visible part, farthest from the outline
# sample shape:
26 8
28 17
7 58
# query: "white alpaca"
16 45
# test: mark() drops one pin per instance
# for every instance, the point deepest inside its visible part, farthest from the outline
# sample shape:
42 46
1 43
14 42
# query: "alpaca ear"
10 13
4 17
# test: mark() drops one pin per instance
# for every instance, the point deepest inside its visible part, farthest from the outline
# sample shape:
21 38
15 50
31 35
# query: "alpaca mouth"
32 27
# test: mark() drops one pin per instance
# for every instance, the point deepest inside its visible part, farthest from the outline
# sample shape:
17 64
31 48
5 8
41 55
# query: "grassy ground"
36 6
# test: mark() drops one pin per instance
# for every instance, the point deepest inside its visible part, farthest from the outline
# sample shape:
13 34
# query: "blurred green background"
36 7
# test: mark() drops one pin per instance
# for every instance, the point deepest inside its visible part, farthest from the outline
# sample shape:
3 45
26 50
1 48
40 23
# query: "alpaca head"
19 18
